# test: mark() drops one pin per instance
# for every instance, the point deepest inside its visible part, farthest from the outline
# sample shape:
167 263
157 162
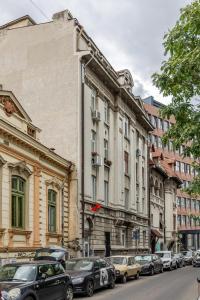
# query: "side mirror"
44 276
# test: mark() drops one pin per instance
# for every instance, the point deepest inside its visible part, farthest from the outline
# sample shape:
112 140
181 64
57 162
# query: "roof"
34 262
16 21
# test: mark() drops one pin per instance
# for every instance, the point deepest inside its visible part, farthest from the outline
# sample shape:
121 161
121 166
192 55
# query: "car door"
130 266
136 266
47 284
60 280
96 274
104 273
156 263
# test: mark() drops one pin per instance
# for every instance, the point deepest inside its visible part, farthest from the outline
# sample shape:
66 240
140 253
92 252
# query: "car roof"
92 258
163 251
35 262
126 256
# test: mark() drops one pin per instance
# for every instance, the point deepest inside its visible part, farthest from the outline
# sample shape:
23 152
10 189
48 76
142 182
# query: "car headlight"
12 294
167 261
117 272
77 280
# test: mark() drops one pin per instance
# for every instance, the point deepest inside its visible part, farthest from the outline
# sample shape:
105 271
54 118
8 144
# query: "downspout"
83 67
149 199
164 213
62 204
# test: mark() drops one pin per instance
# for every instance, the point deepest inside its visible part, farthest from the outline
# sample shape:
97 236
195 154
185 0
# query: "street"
179 284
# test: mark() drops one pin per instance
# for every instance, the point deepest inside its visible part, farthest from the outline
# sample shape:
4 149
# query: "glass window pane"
20 212
14 210
14 183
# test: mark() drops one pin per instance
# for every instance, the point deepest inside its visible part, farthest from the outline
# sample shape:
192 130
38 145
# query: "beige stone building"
88 114
163 209
35 183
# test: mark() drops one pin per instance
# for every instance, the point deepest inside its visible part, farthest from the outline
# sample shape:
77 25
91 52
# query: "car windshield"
118 260
177 255
21 273
164 255
146 258
50 253
188 254
79 265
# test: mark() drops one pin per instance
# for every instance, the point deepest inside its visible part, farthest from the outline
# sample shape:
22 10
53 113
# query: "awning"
156 233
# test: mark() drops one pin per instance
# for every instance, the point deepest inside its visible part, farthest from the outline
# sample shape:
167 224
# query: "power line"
40 10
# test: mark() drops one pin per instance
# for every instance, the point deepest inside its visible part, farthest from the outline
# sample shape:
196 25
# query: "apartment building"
187 207
36 187
88 114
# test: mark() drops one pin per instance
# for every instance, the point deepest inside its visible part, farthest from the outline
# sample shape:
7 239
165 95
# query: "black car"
188 257
150 263
89 274
41 280
179 260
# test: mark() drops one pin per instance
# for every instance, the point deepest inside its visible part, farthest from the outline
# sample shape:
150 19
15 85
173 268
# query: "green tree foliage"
180 79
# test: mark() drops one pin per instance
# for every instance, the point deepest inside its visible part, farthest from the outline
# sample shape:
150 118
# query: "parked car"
53 253
180 259
188 257
196 260
125 267
168 259
42 280
150 263
89 274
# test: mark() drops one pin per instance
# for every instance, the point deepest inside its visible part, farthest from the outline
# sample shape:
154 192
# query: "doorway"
107 244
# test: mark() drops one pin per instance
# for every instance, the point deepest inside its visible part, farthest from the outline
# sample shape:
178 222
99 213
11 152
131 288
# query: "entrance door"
107 244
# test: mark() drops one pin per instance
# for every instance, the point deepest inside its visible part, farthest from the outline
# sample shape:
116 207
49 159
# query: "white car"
168 259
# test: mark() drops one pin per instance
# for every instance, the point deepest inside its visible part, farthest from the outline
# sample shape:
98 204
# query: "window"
179 220
182 167
93 100
151 219
178 166
18 202
165 125
178 201
93 141
106 192
174 222
123 238
126 159
126 198
160 221
94 188
106 149
126 127
144 238
154 121
143 146
160 145
143 177
52 195
106 112
137 174
160 124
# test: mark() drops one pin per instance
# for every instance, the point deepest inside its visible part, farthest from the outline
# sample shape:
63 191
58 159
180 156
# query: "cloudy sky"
128 32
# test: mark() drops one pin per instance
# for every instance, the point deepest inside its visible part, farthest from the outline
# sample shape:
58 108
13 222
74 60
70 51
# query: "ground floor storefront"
189 239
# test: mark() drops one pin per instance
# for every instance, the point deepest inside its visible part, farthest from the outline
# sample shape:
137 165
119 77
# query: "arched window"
52 195
18 202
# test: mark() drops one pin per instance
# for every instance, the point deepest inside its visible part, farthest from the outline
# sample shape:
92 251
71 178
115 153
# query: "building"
163 211
89 114
35 186
188 208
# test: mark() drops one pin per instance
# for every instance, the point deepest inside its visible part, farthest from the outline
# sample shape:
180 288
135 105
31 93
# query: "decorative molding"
14 231
54 182
2 161
54 235
37 171
21 168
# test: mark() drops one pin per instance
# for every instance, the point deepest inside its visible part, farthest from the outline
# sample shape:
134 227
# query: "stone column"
36 240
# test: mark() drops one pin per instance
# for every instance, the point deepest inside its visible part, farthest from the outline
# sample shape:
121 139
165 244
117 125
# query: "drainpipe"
62 204
149 199
164 213
83 67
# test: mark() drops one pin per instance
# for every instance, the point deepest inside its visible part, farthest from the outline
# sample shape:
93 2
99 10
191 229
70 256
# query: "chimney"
64 15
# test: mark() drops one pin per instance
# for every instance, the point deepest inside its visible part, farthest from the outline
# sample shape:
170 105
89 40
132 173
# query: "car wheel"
137 276
89 290
162 270
69 293
112 284
152 272
124 278
176 267
170 268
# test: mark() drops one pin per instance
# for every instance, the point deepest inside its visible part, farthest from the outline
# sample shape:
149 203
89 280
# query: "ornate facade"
34 186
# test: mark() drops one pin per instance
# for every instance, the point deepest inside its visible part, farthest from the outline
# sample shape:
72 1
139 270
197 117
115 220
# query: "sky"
128 32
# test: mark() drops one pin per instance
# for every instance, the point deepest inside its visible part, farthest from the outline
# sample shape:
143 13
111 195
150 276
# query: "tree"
180 79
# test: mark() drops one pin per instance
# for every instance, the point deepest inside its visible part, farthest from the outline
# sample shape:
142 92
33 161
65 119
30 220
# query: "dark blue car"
38 280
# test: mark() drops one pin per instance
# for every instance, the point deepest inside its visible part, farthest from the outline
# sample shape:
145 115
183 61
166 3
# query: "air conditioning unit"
138 153
97 160
96 116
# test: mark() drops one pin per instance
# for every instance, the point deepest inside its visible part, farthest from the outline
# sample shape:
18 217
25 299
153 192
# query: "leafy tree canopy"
180 79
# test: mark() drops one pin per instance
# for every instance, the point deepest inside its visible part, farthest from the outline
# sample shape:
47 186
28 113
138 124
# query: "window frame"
52 206
18 194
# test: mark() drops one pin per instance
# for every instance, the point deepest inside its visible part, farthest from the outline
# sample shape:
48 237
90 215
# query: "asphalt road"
179 284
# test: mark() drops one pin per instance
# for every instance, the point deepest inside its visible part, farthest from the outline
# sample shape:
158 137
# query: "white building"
89 114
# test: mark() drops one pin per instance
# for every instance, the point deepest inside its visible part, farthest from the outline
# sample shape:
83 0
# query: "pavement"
180 284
